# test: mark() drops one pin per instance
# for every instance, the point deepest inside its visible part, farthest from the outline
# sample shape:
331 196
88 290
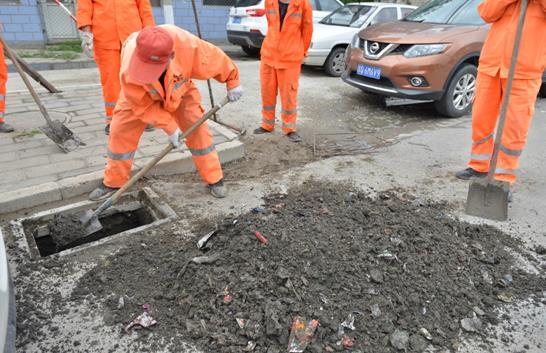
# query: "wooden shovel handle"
13 59
165 151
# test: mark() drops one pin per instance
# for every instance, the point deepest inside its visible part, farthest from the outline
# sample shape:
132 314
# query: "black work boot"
107 129
469 173
260 131
6 127
218 189
294 136
102 193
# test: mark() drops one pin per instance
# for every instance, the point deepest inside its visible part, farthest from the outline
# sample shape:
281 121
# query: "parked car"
432 55
247 24
7 304
333 34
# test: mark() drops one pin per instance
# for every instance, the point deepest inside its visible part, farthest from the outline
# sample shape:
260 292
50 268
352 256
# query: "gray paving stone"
26 162
26 152
57 168
9 177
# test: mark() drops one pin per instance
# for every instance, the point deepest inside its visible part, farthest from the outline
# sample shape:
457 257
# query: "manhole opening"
112 224
134 213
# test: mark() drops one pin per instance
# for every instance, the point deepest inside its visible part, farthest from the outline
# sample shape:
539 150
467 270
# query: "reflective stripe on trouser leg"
200 142
518 120
269 88
123 141
108 62
288 85
484 119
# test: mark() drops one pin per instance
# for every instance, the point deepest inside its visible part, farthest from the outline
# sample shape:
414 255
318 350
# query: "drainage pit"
60 231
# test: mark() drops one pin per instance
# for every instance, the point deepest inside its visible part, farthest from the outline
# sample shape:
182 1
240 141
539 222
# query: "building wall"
212 19
22 23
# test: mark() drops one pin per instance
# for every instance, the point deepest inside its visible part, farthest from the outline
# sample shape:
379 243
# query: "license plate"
369 71
236 20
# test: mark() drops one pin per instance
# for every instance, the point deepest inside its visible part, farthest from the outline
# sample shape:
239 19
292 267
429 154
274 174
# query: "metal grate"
58 25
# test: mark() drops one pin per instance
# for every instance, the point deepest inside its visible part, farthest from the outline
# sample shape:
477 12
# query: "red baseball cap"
154 49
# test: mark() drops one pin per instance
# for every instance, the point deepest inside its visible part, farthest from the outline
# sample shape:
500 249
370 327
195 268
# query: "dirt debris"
410 271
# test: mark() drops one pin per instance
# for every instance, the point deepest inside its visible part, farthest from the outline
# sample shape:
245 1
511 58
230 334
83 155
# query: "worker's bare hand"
235 94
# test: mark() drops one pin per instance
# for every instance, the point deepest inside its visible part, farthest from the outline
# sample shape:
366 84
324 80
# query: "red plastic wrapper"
261 238
347 341
301 334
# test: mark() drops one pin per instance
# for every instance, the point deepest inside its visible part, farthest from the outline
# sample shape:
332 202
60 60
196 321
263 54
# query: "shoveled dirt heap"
411 276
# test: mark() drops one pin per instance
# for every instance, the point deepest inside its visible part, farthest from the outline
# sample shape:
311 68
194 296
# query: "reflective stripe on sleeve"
295 15
109 104
2 97
153 91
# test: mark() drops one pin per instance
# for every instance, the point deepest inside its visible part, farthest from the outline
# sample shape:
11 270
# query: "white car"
333 34
7 304
247 24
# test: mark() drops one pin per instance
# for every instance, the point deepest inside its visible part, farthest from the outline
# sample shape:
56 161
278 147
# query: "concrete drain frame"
146 208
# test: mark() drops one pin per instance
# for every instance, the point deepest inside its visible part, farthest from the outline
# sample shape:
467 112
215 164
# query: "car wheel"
251 51
335 63
542 91
460 93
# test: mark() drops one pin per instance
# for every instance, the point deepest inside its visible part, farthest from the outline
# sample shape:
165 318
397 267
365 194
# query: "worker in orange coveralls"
157 68
4 127
105 25
492 77
289 32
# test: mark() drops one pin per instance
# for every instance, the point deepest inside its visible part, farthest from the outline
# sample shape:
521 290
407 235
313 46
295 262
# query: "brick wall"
22 23
213 19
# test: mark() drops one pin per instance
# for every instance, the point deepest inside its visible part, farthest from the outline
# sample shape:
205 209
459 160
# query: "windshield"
245 3
436 11
348 16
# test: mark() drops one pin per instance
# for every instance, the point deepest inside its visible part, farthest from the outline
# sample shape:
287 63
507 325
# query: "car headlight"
355 42
424 50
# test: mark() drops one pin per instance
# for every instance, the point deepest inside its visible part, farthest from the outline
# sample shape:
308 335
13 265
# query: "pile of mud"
410 275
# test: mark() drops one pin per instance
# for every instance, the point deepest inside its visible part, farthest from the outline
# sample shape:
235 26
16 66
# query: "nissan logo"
374 47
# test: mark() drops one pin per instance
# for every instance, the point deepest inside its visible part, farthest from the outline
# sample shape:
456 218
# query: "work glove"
174 139
87 43
235 94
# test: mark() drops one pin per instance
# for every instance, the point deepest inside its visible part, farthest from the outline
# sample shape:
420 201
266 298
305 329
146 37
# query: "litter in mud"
144 320
204 240
316 266
301 334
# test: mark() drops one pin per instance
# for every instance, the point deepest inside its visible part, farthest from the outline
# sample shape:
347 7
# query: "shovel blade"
90 222
62 136
488 199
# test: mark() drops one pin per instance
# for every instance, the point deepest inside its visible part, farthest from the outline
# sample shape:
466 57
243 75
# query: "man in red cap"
157 67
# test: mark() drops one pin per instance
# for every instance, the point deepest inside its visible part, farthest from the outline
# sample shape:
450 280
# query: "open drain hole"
112 224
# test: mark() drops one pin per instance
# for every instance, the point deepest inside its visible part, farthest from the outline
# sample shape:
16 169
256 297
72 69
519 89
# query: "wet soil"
410 275
65 229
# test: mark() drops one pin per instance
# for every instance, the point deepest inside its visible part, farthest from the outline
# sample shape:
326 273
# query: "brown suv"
430 55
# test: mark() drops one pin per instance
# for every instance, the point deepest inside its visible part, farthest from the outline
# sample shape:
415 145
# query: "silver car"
7 304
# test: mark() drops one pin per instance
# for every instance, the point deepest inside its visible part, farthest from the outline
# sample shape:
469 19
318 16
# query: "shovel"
488 198
55 130
89 219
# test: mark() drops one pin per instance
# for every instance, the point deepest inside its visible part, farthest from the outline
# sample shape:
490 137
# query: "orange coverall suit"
492 77
178 106
112 21
283 51
3 80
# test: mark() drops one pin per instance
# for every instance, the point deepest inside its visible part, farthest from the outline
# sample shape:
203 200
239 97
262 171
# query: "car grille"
401 49
395 49
383 81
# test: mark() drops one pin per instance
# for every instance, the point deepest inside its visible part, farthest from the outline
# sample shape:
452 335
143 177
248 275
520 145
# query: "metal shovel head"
62 136
488 199
90 222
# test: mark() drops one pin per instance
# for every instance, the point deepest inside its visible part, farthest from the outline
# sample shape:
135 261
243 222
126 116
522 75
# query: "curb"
67 65
174 163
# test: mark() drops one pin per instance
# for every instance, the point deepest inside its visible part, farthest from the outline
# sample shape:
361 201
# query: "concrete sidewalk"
35 171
